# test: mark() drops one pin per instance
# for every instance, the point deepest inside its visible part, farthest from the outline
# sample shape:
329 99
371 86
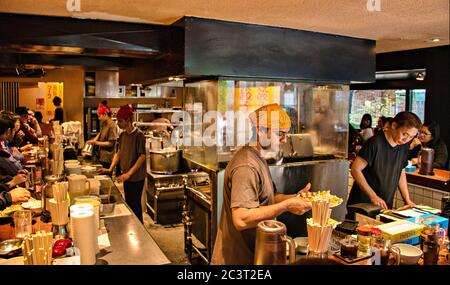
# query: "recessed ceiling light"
436 40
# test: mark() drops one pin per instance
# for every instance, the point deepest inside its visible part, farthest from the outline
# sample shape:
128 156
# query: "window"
417 102
376 103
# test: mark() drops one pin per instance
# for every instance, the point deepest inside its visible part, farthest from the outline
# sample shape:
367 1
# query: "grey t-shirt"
247 184
384 166
131 147
107 133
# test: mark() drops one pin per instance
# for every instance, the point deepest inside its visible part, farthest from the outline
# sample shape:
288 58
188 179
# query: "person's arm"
244 218
357 167
93 141
37 128
114 162
16 180
30 134
132 170
103 144
403 187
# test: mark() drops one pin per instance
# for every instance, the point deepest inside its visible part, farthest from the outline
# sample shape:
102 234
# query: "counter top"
440 180
131 244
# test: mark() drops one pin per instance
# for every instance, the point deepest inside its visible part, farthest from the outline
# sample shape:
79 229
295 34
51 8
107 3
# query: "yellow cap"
270 116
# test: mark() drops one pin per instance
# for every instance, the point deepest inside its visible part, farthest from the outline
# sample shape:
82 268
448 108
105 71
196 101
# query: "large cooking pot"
165 161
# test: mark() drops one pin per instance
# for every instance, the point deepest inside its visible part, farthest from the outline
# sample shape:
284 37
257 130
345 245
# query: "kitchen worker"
378 167
249 194
106 139
131 156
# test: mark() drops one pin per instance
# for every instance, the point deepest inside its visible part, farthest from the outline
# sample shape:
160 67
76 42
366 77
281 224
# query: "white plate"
32 204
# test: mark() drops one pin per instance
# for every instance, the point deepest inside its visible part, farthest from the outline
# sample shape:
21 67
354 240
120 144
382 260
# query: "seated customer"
29 134
47 129
430 136
6 137
8 164
7 198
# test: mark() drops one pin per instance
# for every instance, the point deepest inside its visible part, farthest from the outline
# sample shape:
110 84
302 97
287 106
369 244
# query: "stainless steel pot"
165 161
88 150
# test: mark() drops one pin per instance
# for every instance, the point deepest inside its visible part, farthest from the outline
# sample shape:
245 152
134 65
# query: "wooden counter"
440 180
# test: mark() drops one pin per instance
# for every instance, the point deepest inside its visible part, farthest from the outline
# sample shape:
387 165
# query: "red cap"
125 112
103 109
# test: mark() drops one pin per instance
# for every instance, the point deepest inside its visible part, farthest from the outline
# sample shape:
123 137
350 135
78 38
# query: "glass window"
417 102
376 103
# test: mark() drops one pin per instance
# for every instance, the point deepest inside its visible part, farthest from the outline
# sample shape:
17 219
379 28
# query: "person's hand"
415 142
297 205
92 142
379 202
103 171
18 179
305 189
123 177
19 195
20 134
414 161
410 203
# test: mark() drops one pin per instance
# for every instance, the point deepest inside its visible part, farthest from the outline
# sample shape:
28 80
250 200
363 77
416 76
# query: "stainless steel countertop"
131 244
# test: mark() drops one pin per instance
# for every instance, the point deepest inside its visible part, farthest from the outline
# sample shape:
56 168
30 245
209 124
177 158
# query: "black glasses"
424 133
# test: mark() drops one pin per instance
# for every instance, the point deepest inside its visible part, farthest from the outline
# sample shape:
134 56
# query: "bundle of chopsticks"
59 205
320 226
37 248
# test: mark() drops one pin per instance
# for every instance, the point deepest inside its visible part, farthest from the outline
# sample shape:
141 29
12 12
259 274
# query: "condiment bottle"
364 238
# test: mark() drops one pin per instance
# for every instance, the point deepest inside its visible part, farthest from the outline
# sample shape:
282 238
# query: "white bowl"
409 254
301 244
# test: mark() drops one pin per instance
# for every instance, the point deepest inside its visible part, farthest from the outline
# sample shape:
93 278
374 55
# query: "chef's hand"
92 142
123 177
379 202
103 171
19 195
304 190
297 205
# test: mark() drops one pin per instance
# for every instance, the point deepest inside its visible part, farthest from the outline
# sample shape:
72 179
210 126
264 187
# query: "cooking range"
166 197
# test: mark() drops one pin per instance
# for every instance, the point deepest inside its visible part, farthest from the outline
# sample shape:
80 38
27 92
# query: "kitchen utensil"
409 255
10 247
165 161
88 150
78 186
271 240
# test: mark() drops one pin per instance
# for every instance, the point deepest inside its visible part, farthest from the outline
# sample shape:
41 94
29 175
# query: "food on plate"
321 195
32 204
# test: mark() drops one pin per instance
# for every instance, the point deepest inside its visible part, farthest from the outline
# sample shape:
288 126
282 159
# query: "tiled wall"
421 196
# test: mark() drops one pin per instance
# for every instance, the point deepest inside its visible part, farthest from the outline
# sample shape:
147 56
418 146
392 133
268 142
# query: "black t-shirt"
384 166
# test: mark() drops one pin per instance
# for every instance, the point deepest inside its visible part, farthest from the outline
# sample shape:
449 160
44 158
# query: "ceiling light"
420 76
436 40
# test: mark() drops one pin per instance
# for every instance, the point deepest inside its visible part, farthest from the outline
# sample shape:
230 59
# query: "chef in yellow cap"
249 194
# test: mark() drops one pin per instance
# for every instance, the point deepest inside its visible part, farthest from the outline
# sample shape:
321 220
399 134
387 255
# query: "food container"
409 254
10 247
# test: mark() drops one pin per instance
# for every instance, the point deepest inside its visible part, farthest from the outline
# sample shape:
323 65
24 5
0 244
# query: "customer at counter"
430 136
26 133
8 164
366 127
249 194
378 167
7 198
106 139
131 155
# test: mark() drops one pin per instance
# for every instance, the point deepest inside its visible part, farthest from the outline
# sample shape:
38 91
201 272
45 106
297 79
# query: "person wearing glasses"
249 194
430 136
378 167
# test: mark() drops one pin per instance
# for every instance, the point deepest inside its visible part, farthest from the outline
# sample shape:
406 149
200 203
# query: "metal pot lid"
272 226
52 178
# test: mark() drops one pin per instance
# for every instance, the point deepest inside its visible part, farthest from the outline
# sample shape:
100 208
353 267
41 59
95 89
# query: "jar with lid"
364 238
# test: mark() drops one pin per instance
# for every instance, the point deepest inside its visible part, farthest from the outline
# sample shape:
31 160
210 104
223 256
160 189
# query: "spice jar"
364 238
